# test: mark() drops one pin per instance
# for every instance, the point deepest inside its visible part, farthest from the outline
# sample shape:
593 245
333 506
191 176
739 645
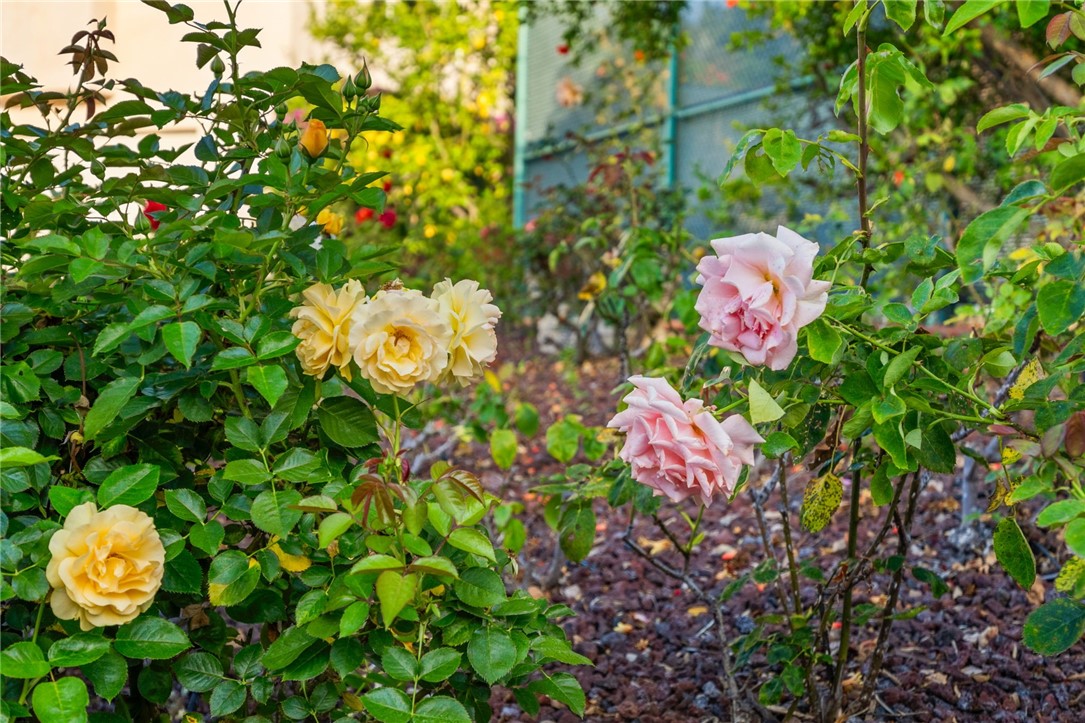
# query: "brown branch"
1022 60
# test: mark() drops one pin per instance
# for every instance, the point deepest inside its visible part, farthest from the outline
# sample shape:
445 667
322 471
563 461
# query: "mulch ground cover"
655 646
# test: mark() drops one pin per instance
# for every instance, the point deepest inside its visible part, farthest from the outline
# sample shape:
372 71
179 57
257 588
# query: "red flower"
387 186
563 49
388 218
154 207
363 214
732 3
638 55
386 153
898 177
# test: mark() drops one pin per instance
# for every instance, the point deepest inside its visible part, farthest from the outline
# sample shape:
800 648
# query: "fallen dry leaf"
937 678
697 610
654 547
623 628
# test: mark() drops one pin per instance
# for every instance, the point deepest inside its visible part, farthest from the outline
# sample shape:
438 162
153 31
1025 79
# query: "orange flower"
315 138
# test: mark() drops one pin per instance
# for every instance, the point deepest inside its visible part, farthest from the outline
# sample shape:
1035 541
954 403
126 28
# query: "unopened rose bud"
282 148
349 88
363 80
217 66
375 103
315 138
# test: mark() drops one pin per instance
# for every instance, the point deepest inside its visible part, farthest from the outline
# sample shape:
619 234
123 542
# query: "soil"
655 646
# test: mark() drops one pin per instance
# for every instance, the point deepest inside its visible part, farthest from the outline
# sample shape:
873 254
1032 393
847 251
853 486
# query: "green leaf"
1005 114
1013 552
434 565
108 675
269 380
440 709
576 530
376 563
24 660
347 422
763 408
491 653
394 591
198 672
900 365
286 649
563 688
271 511
938 585
388 705
1054 626
1075 536
232 358
149 636
399 664
108 405
783 149
186 505
181 339
563 440
901 12
244 434
1030 12
825 343
1070 170
480 587
550 648
354 618
1061 512
228 696
246 471
471 540
331 527
79 649
503 447
21 457
983 239
934 11
819 501
1060 304
65 701
438 665
129 485
744 144
967 12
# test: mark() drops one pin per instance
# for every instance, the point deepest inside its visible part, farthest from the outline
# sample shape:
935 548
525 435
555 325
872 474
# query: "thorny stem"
846 609
877 657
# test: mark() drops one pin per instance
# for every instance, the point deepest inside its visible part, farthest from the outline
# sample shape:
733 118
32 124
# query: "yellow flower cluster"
399 337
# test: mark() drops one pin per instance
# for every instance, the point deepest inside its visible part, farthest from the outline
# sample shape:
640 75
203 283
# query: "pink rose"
758 292
678 448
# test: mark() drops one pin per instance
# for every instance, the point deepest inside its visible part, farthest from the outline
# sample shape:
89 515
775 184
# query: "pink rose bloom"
758 292
678 448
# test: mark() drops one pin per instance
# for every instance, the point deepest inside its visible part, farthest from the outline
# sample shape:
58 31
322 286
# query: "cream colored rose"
323 325
400 339
106 566
472 317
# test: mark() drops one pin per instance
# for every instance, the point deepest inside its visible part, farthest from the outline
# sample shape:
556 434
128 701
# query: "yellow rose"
315 138
331 221
472 317
106 566
323 325
400 339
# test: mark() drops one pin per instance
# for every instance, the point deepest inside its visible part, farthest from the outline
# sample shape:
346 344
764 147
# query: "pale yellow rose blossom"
400 339
106 566
323 325
472 317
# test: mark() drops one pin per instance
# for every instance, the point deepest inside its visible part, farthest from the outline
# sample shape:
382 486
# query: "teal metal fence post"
670 123
519 160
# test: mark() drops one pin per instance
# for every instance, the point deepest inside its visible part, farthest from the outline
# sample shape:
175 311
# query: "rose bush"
858 392
207 504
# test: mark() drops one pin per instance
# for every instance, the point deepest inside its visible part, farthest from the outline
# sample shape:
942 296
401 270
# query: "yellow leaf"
595 285
697 610
1010 455
1031 374
623 628
214 592
819 501
290 563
